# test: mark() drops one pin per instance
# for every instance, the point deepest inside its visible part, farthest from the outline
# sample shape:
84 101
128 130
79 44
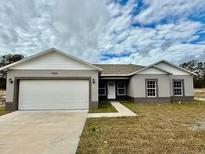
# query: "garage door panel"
53 94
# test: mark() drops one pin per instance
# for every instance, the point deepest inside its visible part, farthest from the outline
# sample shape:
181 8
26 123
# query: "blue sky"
106 31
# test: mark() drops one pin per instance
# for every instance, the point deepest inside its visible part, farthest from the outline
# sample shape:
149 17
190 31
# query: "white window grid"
151 88
178 87
102 88
121 88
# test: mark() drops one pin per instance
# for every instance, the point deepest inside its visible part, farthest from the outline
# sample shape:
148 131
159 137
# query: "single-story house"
53 79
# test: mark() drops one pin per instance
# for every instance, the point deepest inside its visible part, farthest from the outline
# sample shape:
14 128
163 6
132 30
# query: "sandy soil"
200 93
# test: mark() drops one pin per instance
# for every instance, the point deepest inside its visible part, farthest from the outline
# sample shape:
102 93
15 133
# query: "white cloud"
177 53
73 26
159 9
89 29
171 41
143 39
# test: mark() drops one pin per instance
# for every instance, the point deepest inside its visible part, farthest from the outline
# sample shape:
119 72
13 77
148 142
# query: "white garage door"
53 94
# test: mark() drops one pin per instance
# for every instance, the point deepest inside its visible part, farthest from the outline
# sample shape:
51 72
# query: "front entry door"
111 90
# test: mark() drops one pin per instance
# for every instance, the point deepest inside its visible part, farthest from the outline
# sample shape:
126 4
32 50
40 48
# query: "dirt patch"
198 126
199 93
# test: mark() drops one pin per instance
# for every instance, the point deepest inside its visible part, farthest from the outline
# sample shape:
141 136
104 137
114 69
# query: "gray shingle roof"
119 68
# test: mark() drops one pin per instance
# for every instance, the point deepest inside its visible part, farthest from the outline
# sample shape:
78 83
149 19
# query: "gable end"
52 59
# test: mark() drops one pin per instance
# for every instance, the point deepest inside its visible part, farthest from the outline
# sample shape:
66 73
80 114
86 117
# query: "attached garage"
53 94
51 80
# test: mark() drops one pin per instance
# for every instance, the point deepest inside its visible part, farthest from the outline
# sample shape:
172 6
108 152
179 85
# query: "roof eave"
165 61
47 51
114 75
138 71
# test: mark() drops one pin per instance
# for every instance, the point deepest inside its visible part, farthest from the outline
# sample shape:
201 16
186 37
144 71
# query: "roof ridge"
121 64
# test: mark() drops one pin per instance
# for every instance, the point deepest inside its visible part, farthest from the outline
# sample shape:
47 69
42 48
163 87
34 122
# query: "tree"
6 60
199 69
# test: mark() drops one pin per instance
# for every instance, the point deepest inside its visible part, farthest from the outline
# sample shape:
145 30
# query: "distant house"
53 79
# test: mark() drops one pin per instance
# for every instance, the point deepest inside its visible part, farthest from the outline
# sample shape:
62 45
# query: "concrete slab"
200 99
36 132
122 112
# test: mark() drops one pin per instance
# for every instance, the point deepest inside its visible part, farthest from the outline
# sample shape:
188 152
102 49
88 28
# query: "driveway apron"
41 132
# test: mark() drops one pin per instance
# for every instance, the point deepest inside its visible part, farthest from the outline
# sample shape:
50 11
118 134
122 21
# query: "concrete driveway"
37 132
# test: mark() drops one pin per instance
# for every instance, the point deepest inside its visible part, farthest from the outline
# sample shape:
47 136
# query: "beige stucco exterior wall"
136 86
11 74
188 84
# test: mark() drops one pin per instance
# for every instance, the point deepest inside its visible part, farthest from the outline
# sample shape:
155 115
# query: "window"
178 87
102 89
121 88
151 88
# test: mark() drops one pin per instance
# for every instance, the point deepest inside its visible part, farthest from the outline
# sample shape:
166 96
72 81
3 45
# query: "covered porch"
114 88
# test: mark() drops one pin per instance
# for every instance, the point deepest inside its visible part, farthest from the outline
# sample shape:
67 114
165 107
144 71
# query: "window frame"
155 88
105 88
124 88
182 87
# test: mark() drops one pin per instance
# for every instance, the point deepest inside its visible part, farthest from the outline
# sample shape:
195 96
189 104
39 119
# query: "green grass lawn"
2 111
104 107
158 128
